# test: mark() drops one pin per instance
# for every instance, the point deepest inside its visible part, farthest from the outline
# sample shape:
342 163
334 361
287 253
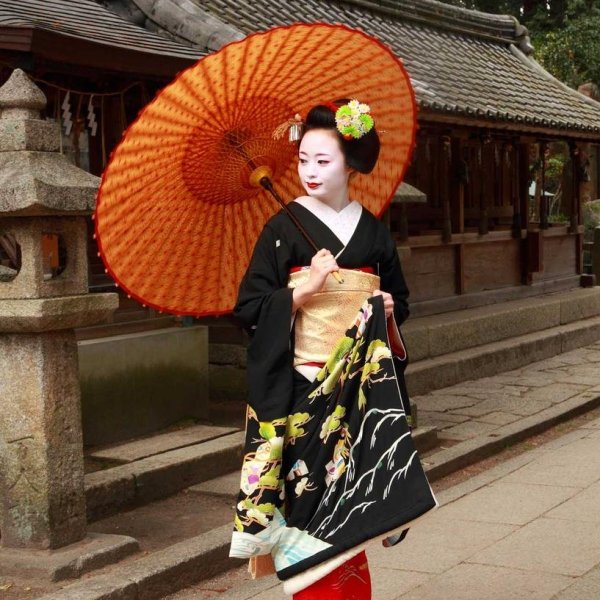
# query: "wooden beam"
427 117
73 50
16 38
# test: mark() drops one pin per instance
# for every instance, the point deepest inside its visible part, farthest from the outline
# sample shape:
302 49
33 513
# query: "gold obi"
325 317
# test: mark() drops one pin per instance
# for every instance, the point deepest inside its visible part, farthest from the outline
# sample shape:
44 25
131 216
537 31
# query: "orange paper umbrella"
177 214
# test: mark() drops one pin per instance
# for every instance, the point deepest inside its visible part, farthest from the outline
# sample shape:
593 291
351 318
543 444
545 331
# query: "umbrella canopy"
177 216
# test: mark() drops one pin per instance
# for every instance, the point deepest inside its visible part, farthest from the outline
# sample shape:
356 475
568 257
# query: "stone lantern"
43 297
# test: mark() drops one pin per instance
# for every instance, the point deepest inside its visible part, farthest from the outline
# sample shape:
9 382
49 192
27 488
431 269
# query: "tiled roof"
461 62
87 20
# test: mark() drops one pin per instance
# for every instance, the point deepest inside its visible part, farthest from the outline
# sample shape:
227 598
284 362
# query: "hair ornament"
353 120
294 127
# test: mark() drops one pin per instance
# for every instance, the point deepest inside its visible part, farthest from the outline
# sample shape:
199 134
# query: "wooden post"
403 224
457 187
543 197
445 189
523 200
483 204
460 175
515 191
523 189
575 187
596 254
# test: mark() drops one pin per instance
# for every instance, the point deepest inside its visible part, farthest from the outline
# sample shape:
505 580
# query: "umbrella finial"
260 173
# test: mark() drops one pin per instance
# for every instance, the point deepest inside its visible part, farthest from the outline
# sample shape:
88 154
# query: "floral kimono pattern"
341 467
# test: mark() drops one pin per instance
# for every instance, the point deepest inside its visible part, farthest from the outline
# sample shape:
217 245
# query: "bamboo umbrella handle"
266 183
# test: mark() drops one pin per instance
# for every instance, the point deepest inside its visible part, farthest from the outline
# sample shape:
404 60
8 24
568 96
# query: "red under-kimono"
351 581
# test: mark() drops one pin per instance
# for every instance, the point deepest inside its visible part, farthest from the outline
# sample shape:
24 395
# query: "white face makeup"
322 168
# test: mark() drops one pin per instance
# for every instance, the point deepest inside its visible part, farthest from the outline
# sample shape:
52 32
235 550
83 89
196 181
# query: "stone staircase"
469 344
140 471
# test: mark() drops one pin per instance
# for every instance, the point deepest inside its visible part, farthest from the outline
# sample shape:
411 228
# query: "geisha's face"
322 167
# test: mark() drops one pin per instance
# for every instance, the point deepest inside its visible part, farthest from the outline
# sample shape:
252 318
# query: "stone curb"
465 453
158 574
95 551
110 491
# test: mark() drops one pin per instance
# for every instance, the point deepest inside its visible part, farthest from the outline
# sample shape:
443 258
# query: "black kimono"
329 464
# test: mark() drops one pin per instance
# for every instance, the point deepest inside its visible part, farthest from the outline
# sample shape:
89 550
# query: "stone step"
158 444
437 335
141 326
493 358
202 458
135 483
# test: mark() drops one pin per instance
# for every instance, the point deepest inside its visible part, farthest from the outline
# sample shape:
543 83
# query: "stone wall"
136 384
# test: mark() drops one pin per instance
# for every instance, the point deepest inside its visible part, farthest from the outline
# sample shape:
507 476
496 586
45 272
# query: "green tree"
564 33
572 53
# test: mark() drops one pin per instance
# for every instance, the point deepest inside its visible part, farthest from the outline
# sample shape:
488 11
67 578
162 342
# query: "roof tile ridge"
448 17
187 20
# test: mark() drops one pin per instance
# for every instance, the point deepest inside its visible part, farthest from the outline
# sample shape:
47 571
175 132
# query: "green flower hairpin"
353 120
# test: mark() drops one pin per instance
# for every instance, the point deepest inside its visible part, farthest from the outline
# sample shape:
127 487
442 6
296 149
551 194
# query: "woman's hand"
388 302
322 264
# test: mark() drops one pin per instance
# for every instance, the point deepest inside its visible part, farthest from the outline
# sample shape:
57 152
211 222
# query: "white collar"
342 223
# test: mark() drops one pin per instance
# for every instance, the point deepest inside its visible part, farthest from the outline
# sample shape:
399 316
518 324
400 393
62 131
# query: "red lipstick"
313 186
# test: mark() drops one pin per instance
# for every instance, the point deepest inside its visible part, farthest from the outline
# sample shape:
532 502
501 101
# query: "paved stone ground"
528 528
480 407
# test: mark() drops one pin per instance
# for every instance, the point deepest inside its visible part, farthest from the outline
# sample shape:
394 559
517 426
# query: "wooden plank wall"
560 256
491 265
430 272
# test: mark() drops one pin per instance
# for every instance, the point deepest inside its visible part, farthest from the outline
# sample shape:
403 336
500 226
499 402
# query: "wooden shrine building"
97 71
490 118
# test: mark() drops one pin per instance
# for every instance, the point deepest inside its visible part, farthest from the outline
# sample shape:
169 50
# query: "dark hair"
361 154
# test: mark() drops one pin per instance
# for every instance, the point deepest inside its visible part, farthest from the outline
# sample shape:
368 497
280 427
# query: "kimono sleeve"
264 308
392 279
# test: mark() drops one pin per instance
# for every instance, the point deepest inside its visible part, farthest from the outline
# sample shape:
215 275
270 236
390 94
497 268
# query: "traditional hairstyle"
361 154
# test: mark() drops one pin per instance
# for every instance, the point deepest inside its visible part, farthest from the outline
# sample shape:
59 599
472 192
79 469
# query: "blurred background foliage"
565 33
